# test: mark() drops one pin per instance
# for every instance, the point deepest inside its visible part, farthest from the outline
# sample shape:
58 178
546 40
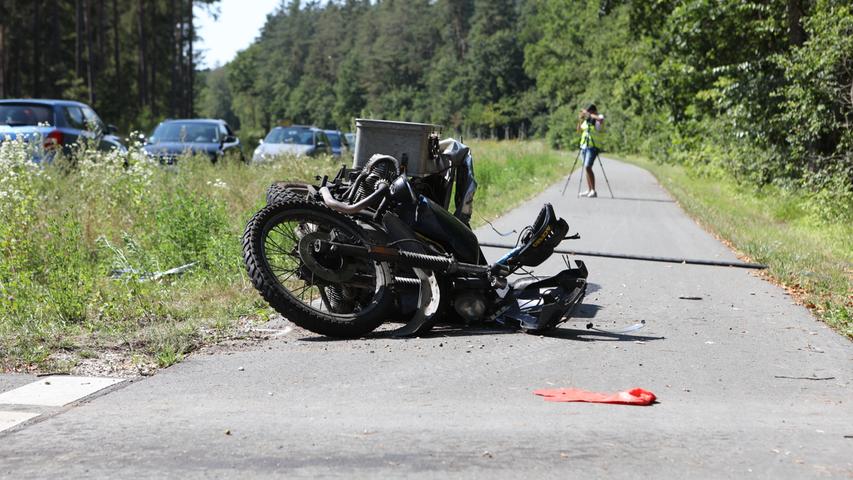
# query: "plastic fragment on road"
635 396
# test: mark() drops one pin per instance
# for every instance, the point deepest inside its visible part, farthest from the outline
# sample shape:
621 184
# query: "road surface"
749 384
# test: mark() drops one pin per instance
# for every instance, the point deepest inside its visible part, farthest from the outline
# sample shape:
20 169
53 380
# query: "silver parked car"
294 140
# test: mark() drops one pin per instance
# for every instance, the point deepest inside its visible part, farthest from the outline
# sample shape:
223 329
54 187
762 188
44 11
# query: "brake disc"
338 270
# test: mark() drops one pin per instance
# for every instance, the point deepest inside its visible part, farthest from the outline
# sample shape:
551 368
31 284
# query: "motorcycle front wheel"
318 290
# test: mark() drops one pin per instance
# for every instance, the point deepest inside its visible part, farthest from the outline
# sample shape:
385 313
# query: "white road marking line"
56 391
10 419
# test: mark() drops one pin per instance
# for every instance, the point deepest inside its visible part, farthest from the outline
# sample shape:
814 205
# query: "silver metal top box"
398 139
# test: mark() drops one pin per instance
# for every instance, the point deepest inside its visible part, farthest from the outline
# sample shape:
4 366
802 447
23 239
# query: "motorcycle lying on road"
376 245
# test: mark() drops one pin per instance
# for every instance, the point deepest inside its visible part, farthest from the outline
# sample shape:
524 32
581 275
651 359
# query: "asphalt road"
460 403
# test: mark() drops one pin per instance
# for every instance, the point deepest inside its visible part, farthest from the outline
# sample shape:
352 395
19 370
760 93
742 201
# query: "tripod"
580 182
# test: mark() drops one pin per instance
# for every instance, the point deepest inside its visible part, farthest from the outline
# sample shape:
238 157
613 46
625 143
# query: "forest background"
758 91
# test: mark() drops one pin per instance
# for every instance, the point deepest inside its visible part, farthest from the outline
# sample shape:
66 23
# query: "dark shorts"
589 155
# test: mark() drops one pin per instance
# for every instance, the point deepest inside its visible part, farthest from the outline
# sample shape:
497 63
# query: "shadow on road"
597 336
584 311
444 331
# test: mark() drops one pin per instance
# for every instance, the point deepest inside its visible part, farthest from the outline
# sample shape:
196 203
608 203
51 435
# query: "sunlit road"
749 384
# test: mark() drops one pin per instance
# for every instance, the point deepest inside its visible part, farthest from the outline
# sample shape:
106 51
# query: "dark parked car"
48 125
338 142
173 138
293 140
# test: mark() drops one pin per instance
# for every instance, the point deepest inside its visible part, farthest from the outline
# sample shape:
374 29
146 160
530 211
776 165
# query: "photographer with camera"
589 121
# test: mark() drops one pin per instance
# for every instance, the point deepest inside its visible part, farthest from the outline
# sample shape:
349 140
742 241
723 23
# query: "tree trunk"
174 15
116 43
102 28
78 37
190 59
142 68
90 52
53 55
152 83
796 33
3 61
38 52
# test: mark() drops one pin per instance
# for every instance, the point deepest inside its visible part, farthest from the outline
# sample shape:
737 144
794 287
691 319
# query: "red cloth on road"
635 396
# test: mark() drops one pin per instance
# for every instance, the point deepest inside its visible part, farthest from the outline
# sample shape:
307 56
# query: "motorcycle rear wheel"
281 192
349 307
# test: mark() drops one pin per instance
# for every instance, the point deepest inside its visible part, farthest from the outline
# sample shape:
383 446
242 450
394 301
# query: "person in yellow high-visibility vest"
590 121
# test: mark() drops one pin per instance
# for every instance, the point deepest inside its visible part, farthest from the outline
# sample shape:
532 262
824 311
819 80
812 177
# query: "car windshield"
334 139
17 115
189 132
299 136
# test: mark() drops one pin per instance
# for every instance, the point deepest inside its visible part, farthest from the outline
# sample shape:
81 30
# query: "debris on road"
803 378
632 328
635 396
687 297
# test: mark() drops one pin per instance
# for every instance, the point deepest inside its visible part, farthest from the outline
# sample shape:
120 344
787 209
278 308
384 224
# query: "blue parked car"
206 136
51 125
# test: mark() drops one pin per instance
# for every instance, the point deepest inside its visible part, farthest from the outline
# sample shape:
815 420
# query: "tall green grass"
510 172
79 244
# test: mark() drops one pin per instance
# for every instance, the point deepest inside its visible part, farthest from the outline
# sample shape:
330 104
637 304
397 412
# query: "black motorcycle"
375 245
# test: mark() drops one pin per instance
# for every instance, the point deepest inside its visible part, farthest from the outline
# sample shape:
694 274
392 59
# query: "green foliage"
455 62
818 97
215 98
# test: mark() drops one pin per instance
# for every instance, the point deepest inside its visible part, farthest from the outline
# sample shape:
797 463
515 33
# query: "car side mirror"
229 139
111 129
261 142
321 144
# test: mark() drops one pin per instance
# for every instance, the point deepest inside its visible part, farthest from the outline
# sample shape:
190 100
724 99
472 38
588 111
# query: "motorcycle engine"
378 168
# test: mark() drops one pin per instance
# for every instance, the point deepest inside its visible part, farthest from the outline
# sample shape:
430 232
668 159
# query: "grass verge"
78 247
811 258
